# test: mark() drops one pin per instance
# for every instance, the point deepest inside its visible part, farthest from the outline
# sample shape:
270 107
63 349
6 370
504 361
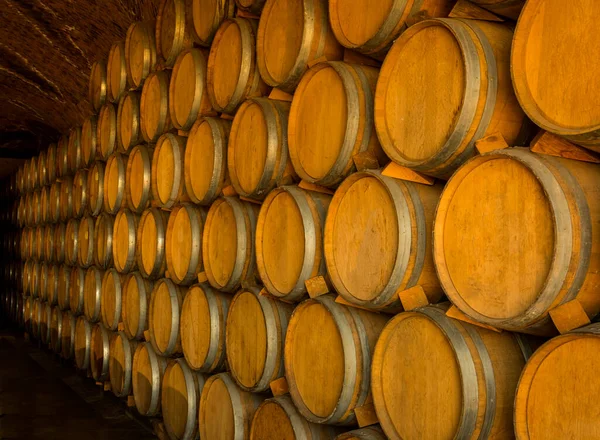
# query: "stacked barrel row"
243 149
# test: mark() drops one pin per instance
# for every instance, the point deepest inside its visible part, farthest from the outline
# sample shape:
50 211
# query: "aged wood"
207 16
138 178
148 369
95 188
72 242
63 287
369 433
121 351
168 186
150 240
85 255
97 85
77 290
124 240
80 193
135 304
66 198
172 33
154 106
106 134
82 343
103 240
111 298
56 329
128 121
116 72
73 150
114 183
100 352
163 317
140 52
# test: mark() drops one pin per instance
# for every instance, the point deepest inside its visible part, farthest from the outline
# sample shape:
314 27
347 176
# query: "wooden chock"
317 286
492 142
130 401
454 312
229 191
466 9
147 335
413 298
241 13
99 384
314 187
353 57
280 95
365 161
251 200
287 179
321 59
226 116
167 274
341 300
569 316
160 431
183 133
202 277
279 387
553 145
120 326
366 415
399 172
107 386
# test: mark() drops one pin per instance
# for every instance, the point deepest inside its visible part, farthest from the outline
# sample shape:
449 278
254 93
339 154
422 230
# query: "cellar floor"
41 398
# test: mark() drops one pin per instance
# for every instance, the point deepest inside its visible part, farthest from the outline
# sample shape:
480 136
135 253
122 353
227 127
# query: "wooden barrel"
226 411
43 169
92 293
107 131
292 34
556 393
150 240
80 193
56 318
51 284
172 33
128 121
96 188
205 164
207 16
509 290
148 369
89 141
180 396
481 369
507 8
114 183
154 106
116 72
259 162
103 240
368 433
97 85
331 121
371 30
74 149
184 243
328 349
44 326
140 52
279 418
537 47
49 243
138 178
62 157
45 204
232 75
202 327
77 290
124 240
59 242
67 335
100 352
64 287
66 198
82 343
72 242
111 298
188 96
168 186
467 97
256 362
163 317
120 364
36 316
39 242
377 239
51 163
228 243
42 281
252 6
28 313
135 304
85 255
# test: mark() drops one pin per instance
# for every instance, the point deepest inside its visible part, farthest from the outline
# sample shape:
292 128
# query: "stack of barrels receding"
311 219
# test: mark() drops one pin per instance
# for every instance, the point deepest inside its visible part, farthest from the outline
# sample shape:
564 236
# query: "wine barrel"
136 301
103 240
36 208
106 134
29 209
34 287
114 183
67 335
22 211
556 391
100 352
62 157
128 121
292 34
140 52
377 239
279 418
51 284
184 243
507 8
66 198
148 369
56 318
259 162
64 287
172 33
328 349
85 255
509 290
368 433
89 141
43 169
138 178
49 243
120 364
42 288
45 204
80 193
331 120
116 72
97 85
44 326
467 97
96 188
180 396
154 106
481 369
207 16
256 362
150 240
77 290
163 317
59 242
51 159
28 313
72 242
39 242
167 170
188 96
111 298
232 75
228 243
539 47
371 30
83 340
202 327
205 162
226 410
92 293
252 6
74 149
124 240
36 317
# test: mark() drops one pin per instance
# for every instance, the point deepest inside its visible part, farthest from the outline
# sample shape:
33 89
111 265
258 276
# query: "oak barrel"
51 159
252 6
74 150
124 240
28 313
44 323
111 298
59 242
63 287
135 304
82 343
116 72
100 352
507 8
76 290
97 85
49 243
72 242
56 318
67 336
163 317
96 188
172 33
66 198
168 186
114 183
106 127
92 293
138 178
85 256
207 16
128 121
120 363
148 369
140 52
80 193
62 158
150 240
36 317
368 433
103 240
154 106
